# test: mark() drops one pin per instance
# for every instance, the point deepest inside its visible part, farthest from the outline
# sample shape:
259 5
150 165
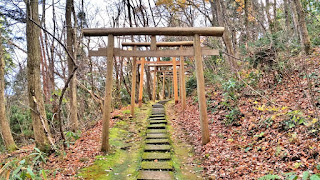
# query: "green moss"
12 147
156 165
180 154
156 155
127 111
125 156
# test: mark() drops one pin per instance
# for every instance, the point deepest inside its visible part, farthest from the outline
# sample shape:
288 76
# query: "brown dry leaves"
253 149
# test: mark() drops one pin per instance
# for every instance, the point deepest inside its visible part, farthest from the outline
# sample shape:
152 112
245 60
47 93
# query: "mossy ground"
124 159
181 154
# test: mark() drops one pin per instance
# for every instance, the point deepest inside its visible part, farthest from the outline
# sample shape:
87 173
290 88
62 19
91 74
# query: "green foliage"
20 122
233 117
128 111
72 137
5 45
28 168
315 177
305 175
125 97
294 118
269 177
191 85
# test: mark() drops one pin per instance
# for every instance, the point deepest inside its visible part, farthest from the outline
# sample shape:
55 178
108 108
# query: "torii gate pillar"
201 90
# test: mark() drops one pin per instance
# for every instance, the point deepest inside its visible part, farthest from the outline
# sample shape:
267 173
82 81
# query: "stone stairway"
156 158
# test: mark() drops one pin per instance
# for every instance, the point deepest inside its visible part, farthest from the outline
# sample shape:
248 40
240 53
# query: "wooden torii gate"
197 52
154 45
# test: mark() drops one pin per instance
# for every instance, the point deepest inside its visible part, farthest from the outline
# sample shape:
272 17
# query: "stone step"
156 116
157 136
158 121
155 155
161 108
160 165
161 114
156 131
152 147
163 101
157 141
157 106
158 111
157 126
155 175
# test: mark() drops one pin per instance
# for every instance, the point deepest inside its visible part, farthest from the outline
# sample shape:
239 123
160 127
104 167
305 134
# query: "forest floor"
276 134
83 160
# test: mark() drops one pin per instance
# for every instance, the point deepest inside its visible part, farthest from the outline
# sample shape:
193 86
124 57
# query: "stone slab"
157 141
156 155
151 147
156 131
160 165
157 126
157 106
157 136
158 121
155 175
156 116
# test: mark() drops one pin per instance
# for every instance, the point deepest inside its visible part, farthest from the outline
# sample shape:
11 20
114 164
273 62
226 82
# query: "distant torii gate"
166 31
154 45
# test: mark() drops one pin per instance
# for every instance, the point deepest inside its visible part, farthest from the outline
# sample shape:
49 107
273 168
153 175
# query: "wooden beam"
154 87
153 53
163 87
175 80
201 91
153 45
182 83
105 147
141 82
167 31
133 84
158 62
160 44
163 71
155 82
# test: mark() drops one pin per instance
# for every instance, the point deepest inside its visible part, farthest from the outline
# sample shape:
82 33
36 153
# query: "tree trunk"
118 85
226 35
275 24
286 15
303 27
4 124
269 16
247 5
148 83
38 115
295 22
74 124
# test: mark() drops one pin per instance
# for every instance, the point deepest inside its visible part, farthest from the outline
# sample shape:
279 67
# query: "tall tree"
74 124
303 27
286 15
5 127
219 7
38 115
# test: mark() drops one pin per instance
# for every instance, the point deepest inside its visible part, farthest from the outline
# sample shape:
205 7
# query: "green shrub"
191 85
29 168
233 117
269 177
20 122
294 118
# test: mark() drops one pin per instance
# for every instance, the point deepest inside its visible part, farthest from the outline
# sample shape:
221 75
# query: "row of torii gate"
196 52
